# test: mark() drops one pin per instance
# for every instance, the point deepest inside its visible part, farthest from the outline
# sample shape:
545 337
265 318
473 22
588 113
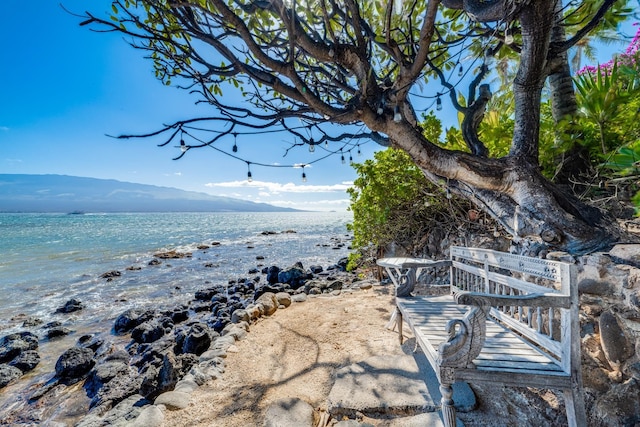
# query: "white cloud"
276 187
313 205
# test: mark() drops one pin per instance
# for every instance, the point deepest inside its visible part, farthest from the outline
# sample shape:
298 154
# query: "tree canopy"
333 64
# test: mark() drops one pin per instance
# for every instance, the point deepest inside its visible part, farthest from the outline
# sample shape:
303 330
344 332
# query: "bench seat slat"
428 317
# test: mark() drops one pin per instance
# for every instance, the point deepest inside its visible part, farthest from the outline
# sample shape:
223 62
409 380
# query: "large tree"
373 63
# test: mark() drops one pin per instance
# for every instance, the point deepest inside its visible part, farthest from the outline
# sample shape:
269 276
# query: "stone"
58 331
32 321
292 412
269 302
75 363
102 374
122 414
626 254
299 298
284 299
186 385
295 275
147 332
173 400
130 319
316 269
240 316
615 344
8 374
14 344
595 287
110 274
235 331
150 416
197 339
26 360
619 406
272 274
116 389
71 306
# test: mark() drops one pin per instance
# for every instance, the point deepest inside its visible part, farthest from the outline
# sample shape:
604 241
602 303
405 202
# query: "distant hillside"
61 193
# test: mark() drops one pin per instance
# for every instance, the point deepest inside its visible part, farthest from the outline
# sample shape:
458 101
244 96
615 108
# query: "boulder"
8 374
75 363
272 274
284 299
110 274
269 302
130 319
197 339
147 332
294 275
71 306
316 269
58 331
14 344
615 344
26 360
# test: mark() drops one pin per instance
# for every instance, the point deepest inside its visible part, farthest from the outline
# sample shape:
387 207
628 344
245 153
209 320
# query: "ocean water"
47 259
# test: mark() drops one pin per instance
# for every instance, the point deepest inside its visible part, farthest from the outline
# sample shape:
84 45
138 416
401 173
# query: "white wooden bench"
520 327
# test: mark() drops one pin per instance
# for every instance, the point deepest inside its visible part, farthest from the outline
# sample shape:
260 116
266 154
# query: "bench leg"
399 320
448 410
574 403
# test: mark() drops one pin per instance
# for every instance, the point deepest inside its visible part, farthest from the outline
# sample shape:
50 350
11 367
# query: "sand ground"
293 353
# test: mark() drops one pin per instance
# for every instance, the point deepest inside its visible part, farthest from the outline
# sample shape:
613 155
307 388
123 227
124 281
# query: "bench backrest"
553 330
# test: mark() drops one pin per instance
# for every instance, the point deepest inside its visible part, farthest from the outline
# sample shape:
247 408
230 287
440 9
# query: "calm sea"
47 259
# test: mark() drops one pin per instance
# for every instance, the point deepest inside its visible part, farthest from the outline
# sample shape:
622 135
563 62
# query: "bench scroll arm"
466 335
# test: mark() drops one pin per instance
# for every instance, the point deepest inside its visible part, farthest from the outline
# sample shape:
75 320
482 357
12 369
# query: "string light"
508 37
350 158
397 117
438 102
342 157
249 176
304 175
460 71
183 146
235 146
380 110
312 146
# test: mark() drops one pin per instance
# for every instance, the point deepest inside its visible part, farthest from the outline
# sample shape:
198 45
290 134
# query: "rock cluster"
170 352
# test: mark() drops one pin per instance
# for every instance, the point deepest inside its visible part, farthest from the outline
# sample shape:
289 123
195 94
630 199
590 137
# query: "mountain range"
62 193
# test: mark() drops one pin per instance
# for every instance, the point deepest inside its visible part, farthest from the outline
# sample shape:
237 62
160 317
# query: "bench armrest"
480 299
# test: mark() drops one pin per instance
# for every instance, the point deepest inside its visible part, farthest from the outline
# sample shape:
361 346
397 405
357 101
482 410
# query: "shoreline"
131 356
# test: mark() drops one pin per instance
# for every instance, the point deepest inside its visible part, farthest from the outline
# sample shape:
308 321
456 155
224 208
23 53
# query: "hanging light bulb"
183 146
350 158
380 110
460 71
312 146
359 152
508 37
438 103
326 143
235 146
397 117
304 175
249 176
342 157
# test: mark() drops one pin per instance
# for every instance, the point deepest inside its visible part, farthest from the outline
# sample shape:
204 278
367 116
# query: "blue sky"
65 88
